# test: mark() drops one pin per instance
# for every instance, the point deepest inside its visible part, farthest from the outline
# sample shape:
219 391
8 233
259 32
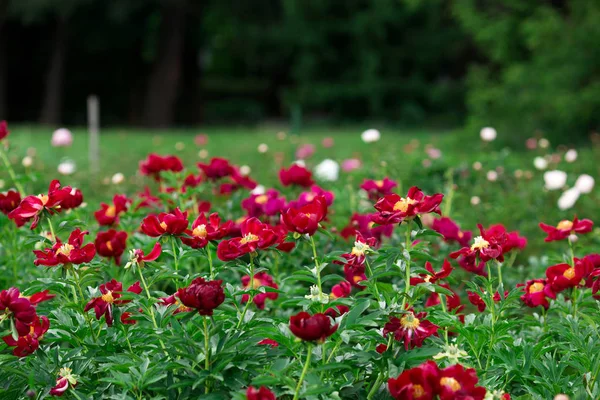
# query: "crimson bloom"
260 279
379 188
31 207
416 383
139 258
296 175
174 223
72 252
433 276
65 380
486 247
307 197
9 201
111 292
27 344
565 228
513 240
305 220
564 276
3 130
259 394
111 244
173 300
451 231
109 215
342 289
312 327
203 231
477 301
456 382
155 164
19 309
39 297
355 273
268 204
72 200
255 235
202 295
410 328
393 209
537 292
217 168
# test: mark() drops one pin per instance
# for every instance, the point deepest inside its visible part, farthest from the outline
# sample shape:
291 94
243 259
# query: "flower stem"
151 308
370 272
206 353
500 283
173 240
210 262
304 371
408 260
250 296
376 385
51 229
317 269
11 172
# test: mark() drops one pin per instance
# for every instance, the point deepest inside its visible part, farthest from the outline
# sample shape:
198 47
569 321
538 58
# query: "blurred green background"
520 66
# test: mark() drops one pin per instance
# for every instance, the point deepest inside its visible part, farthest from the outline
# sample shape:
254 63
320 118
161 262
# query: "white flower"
263 148
66 167
584 183
370 136
477 166
540 163
568 198
475 200
258 190
317 296
571 155
573 238
327 170
245 170
543 143
27 161
555 179
118 178
202 154
62 138
492 176
488 134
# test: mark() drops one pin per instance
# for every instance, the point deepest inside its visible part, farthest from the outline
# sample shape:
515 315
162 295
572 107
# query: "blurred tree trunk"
52 102
3 60
161 91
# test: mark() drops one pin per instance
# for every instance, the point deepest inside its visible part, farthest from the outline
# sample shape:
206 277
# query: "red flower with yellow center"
71 252
9 201
17 308
109 214
537 292
174 223
264 205
31 207
260 279
565 228
393 209
155 164
486 247
111 293
379 188
410 328
564 276
305 220
27 344
419 383
203 231
254 235
456 382
451 231
111 244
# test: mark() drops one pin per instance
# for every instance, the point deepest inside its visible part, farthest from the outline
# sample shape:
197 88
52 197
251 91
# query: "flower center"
480 243
310 197
111 211
256 283
418 391
402 204
360 248
108 297
409 321
379 184
65 249
249 238
262 199
565 225
109 246
44 198
450 383
163 225
536 287
570 273
200 231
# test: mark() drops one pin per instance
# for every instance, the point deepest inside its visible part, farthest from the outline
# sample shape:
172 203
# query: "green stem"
11 172
210 262
370 272
251 296
572 252
173 240
304 371
443 304
500 283
206 353
318 269
407 245
51 229
376 385
151 307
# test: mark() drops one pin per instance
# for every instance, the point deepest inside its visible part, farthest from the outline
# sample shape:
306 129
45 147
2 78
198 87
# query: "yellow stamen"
569 273
200 231
379 183
65 249
450 383
109 246
402 204
565 225
249 238
418 391
262 199
409 321
360 248
44 198
163 225
536 287
479 244
108 297
111 211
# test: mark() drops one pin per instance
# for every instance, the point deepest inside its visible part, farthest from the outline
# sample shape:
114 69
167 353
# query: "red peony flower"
456 382
111 244
564 276
174 223
566 228
217 168
342 289
3 130
305 220
9 201
109 215
203 231
513 240
19 309
259 394
27 344
312 328
260 279
478 302
71 252
410 328
155 164
451 231
202 295
338 311
361 247
39 297
486 247
139 258
282 231
173 300
255 235
111 292
419 383
377 189
355 273
296 175
73 200
147 200
308 197
537 292
452 301
65 380
364 225
433 276
393 209
268 204
31 207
